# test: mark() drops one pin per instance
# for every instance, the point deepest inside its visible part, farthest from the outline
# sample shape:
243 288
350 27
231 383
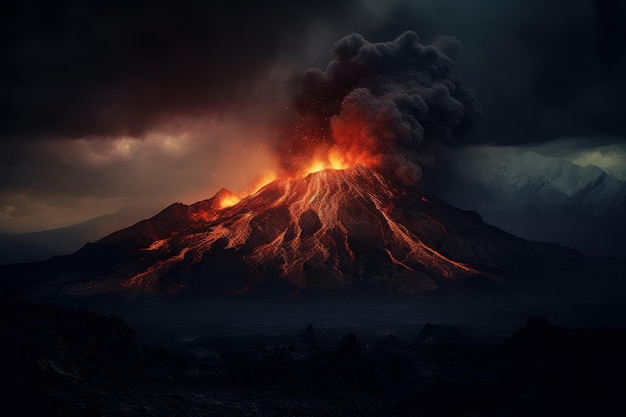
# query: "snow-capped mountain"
540 198
511 179
617 171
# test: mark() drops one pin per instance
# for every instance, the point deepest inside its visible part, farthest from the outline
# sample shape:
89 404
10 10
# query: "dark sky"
108 103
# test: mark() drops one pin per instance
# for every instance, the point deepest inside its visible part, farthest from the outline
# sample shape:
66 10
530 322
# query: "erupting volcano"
332 229
343 208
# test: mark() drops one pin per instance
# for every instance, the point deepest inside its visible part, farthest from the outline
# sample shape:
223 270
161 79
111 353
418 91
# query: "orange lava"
316 223
323 196
149 278
351 147
229 201
332 161
316 164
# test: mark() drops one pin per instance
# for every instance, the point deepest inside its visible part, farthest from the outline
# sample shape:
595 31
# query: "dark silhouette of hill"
60 362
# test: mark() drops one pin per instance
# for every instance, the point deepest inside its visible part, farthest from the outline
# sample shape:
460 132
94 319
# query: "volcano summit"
333 229
345 211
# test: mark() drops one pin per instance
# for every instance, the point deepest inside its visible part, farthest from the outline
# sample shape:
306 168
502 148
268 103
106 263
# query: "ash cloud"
391 104
97 73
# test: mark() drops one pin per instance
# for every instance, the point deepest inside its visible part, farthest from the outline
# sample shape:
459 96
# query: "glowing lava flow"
332 161
319 162
229 201
339 224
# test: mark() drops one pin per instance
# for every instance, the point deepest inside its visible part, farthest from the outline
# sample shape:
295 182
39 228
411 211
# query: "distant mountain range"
617 171
38 246
541 198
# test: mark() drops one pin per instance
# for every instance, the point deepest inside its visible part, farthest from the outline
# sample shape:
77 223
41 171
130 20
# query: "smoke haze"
389 105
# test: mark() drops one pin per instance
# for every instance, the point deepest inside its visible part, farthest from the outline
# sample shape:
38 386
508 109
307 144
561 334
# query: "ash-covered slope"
331 229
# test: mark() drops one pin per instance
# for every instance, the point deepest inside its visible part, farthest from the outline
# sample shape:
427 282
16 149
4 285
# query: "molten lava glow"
229 201
332 161
259 183
316 220
316 166
317 224
156 245
150 277
343 155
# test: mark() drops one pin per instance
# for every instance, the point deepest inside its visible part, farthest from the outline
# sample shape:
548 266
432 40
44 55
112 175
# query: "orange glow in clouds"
353 144
332 161
229 201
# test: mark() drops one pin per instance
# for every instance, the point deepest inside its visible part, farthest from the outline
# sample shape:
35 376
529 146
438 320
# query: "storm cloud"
542 69
110 68
82 81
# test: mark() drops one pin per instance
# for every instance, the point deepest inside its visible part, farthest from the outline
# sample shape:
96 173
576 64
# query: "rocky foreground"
62 362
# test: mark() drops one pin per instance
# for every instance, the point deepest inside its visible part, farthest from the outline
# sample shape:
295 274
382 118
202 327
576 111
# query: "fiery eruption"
388 106
343 208
366 126
330 214
332 228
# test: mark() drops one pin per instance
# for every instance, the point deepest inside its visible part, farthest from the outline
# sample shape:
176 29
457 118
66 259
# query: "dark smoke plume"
392 104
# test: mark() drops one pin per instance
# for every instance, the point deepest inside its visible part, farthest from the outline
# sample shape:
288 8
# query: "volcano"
332 229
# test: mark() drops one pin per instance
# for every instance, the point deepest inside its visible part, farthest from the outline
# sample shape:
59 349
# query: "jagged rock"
351 347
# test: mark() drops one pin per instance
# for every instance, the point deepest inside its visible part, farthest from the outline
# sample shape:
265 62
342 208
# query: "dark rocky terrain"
62 362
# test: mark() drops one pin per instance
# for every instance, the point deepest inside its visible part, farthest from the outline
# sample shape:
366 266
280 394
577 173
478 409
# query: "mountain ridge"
538 197
525 180
41 245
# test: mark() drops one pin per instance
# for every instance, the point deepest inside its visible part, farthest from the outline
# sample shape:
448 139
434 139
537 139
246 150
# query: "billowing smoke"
391 106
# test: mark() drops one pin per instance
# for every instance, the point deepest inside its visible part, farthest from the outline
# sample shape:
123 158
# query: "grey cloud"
121 67
387 101
542 69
